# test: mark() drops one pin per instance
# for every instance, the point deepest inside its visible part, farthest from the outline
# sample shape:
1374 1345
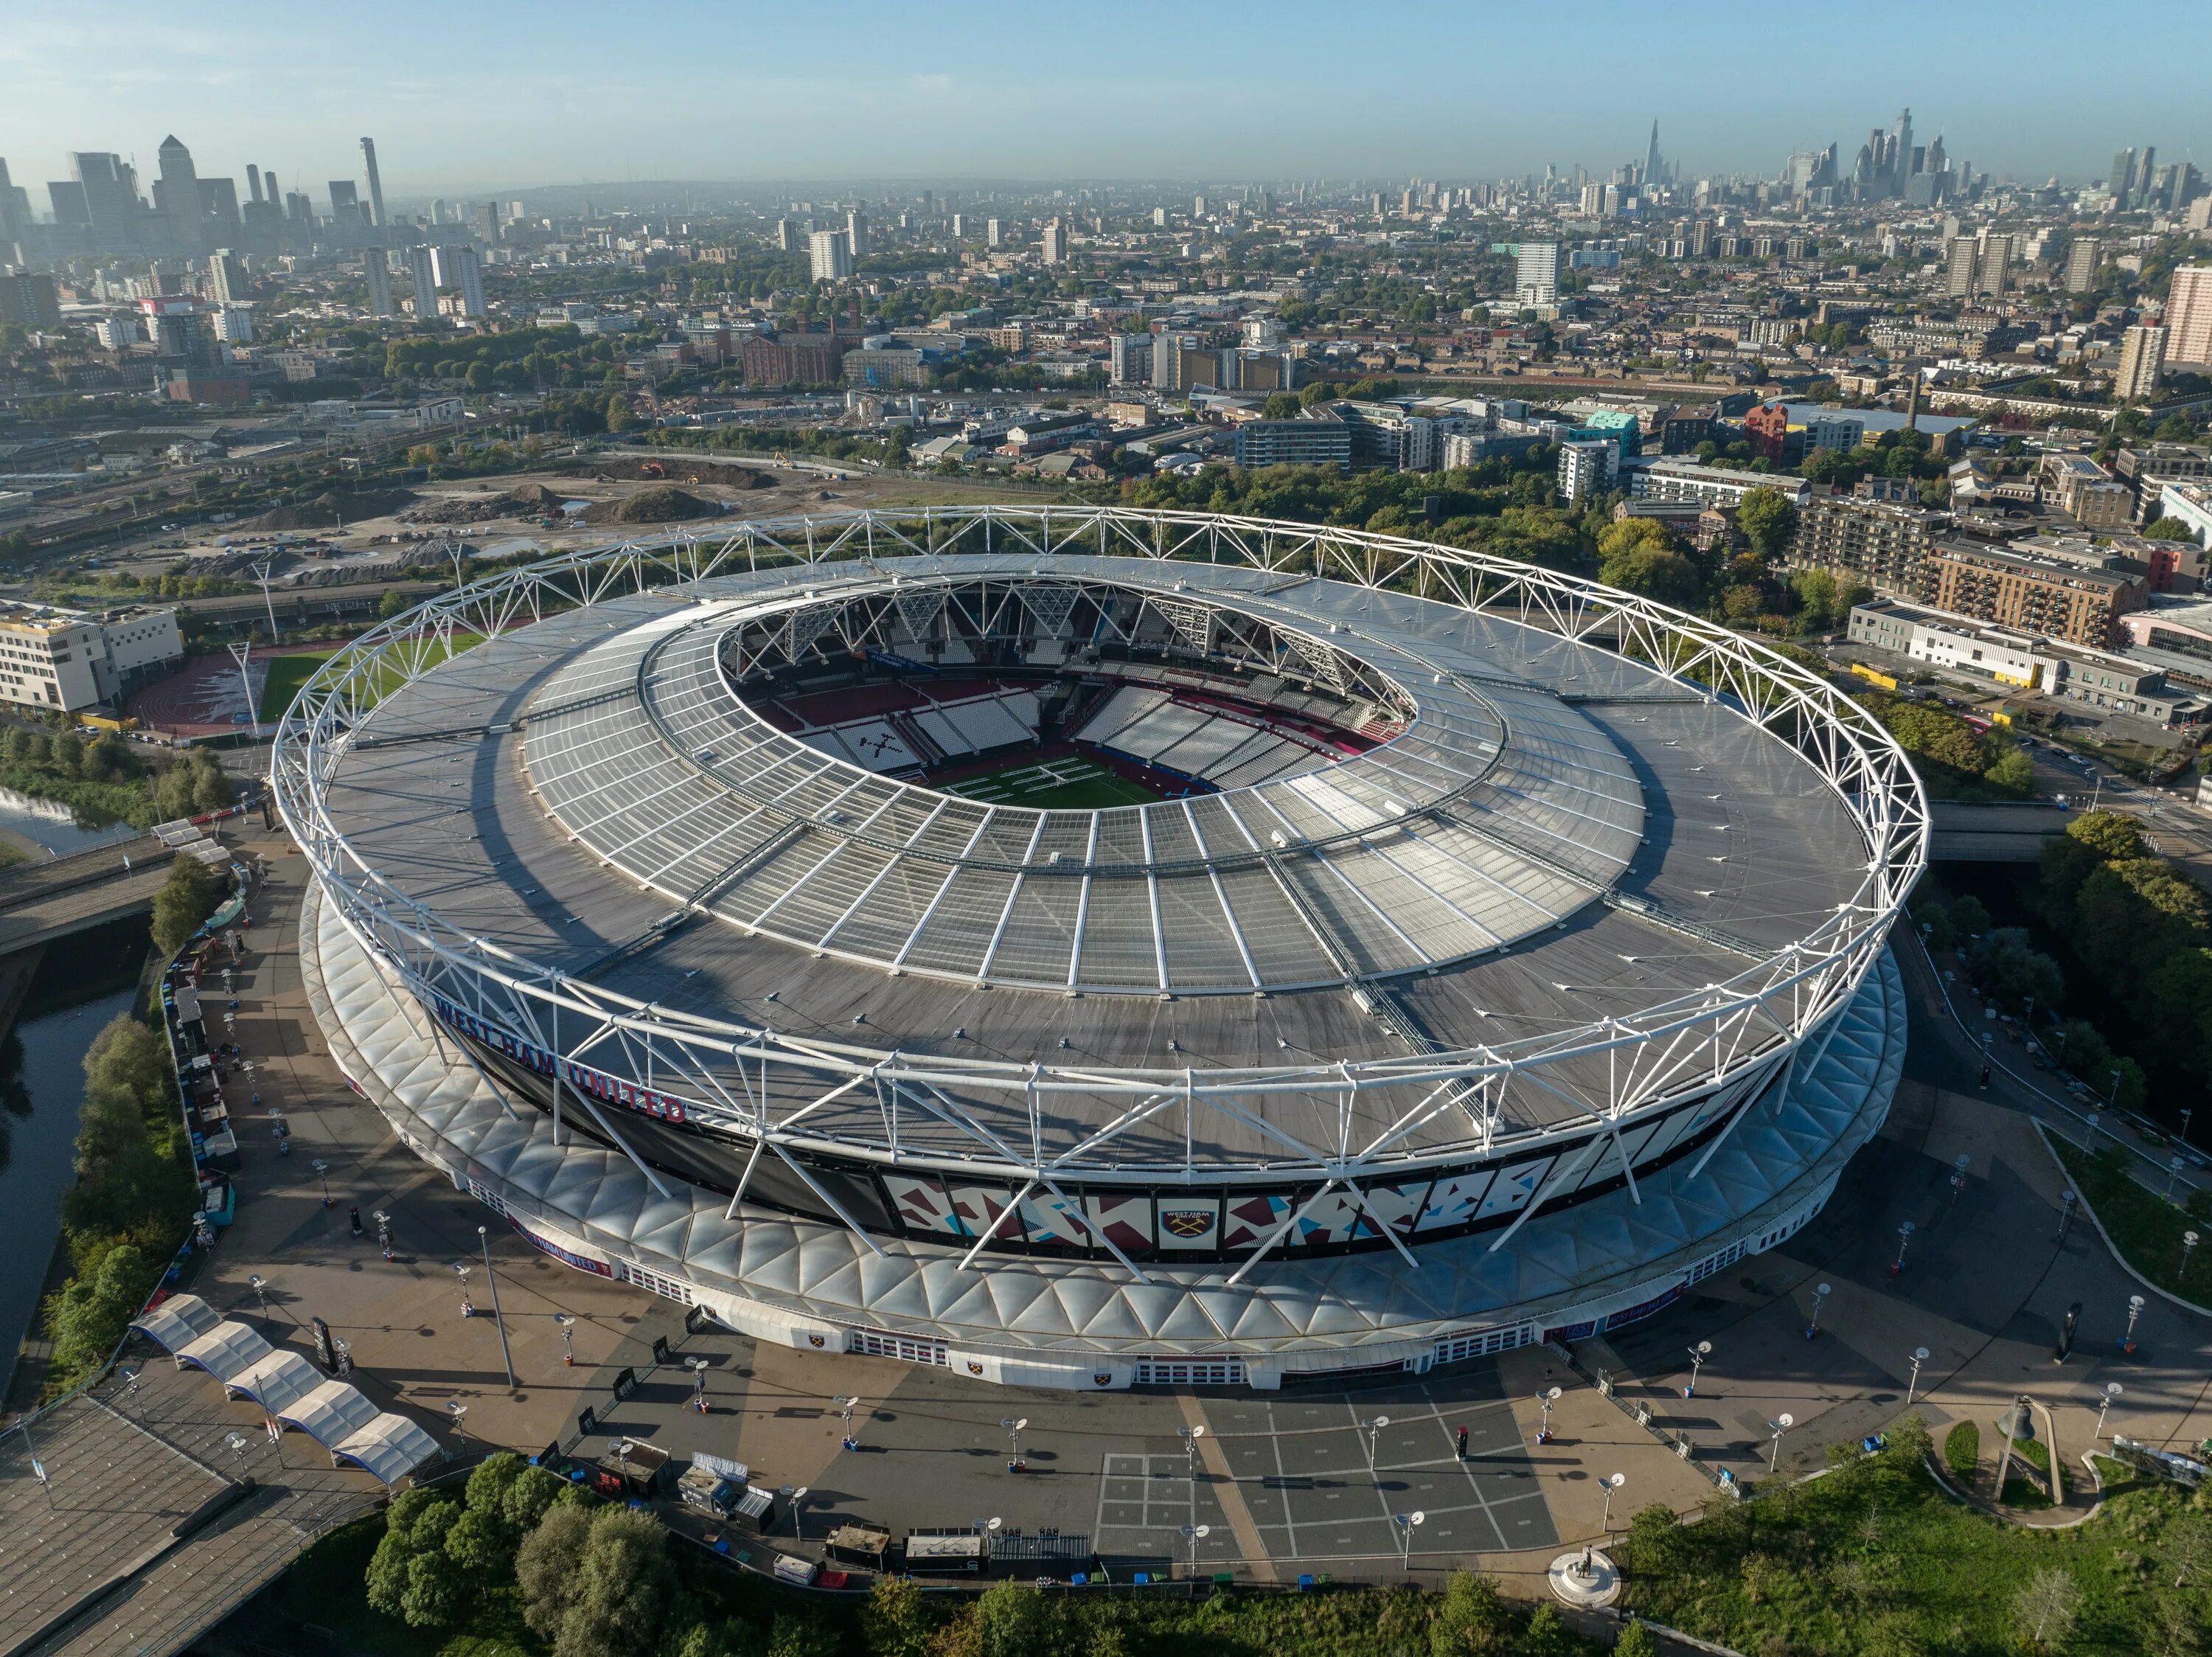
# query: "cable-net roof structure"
1449 894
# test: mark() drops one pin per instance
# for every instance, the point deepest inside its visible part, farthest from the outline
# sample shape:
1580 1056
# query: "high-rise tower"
375 184
1654 170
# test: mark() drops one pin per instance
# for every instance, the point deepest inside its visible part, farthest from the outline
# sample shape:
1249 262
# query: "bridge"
1998 833
42 902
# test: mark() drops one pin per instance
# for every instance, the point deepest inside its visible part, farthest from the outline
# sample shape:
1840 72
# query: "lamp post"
383 1232
1013 1426
1903 1241
845 1407
2183 1137
2173 1167
260 1287
2067 1199
1912 1387
506 1357
1821 1293
1405 1524
698 1369
323 1174
459 1412
1781 1424
1195 1534
2112 1391
1698 1353
1374 1430
799 1514
1190 1436
461 1270
567 1323
1609 1484
237 1446
2135 1310
2188 1246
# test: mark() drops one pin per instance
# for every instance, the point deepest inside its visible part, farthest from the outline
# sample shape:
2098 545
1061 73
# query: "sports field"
287 673
1071 782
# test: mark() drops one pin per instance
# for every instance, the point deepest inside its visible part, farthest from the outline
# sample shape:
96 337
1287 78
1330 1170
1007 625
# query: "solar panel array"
1496 813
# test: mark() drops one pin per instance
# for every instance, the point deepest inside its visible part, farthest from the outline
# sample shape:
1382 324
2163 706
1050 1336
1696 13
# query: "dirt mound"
652 506
330 510
678 468
527 501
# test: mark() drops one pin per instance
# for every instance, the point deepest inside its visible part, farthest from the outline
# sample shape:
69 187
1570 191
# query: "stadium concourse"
1107 949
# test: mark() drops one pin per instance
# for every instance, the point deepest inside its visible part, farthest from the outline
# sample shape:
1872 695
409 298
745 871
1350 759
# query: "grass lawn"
2143 1226
1071 783
1874 1559
288 674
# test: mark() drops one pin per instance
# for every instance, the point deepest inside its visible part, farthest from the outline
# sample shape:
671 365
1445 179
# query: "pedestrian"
354 1215
1463 1444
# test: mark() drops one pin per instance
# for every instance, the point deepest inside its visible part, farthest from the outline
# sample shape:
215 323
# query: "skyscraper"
2146 177
829 256
1056 241
345 203
856 232
2081 265
375 189
2142 360
379 283
226 276
15 205
1654 171
178 194
1959 268
2122 178
992 234
108 195
422 277
456 267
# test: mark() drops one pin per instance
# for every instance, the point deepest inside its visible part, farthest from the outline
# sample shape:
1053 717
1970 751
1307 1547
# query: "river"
52 826
38 1171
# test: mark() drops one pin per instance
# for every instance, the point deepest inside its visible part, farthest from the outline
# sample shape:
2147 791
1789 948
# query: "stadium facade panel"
1472 913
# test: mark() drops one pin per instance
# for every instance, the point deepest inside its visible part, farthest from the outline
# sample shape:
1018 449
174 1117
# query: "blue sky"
489 94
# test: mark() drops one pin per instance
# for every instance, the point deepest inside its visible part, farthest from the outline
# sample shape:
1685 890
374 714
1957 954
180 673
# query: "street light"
2135 1310
799 1514
1544 1400
1190 1436
1609 1484
323 1172
237 1448
461 1270
1013 1426
1374 1431
383 1231
1406 1525
2067 1200
1920 1357
567 1323
2173 1167
506 1357
1698 1353
1821 1293
459 1412
698 1369
1194 1534
2188 1245
845 1407
1781 1424
2183 1137
2112 1391
260 1289
1903 1241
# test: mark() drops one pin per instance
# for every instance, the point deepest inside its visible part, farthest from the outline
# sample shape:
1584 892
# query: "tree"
87 1318
1281 405
67 748
2013 773
1655 1540
1636 1640
409 1576
1470 1618
545 1567
2110 834
534 1491
25 748
2169 529
895 1623
619 417
1013 1620
2045 1610
2176 1627
392 603
1969 916
186 898
1767 516
2013 973
1656 572
624 1585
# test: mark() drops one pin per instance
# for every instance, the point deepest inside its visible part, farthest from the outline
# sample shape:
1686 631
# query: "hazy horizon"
503 99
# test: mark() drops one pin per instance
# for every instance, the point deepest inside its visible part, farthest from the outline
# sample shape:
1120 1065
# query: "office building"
2142 360
103 197
2049 596
1294 443
378 274
2148 468
1536 273
2188 317
177 194
375 190
1882 544
345 204
856 232
14 206
2085 492
829 256
2081 265
1056 241
62 659
458 267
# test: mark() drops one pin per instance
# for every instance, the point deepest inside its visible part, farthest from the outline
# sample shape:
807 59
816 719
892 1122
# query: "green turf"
288 674
1073 783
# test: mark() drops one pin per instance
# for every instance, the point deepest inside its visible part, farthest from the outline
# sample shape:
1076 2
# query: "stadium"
1103 947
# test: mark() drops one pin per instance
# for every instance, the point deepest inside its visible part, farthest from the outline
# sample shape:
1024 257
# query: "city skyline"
1308 97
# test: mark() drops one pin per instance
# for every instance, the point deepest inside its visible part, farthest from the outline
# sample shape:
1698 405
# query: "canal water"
41 1146
52 825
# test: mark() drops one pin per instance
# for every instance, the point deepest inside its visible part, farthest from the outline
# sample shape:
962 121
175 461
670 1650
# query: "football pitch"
1071 782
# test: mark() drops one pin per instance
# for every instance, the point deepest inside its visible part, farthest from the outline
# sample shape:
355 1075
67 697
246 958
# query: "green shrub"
1962 1449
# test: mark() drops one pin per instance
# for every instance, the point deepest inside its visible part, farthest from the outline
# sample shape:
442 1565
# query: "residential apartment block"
2034 595
1881 543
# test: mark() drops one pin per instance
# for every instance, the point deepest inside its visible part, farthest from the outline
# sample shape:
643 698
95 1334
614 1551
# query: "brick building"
2035 595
